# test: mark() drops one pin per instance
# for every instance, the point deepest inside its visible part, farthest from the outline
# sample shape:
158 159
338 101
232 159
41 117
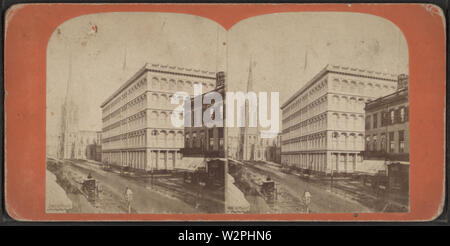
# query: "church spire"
250 76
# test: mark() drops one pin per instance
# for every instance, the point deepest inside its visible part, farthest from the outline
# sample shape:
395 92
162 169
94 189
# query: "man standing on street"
307 201
128 198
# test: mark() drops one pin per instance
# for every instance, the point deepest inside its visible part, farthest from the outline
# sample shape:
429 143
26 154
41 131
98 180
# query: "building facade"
206 141
323 122
137 130
387 127
77 144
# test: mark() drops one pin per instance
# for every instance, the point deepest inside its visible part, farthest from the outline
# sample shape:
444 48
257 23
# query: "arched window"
180 85
188 86
163 139
171 138
392 117
344 86
335 85
155 100
163 84
155 83
402 115
172 84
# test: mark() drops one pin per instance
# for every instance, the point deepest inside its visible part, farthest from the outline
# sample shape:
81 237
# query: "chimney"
403 81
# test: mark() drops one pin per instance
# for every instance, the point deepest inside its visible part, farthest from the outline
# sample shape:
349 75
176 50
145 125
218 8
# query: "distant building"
137 129
323 122
233 142
250 145
77 144
273 151
94 150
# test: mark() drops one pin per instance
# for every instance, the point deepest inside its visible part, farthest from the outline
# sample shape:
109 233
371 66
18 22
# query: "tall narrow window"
374 142
392 119
211 138
368 143
383 141
375 120
368 120
391 142
402 115
401 141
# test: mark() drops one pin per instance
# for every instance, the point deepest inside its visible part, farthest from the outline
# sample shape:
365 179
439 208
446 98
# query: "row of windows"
137 88
128 109
132 123
162 84
306 127
157 138
339 141
314 108
337 121
131 140
205 139
373 89
140 160
378 142
157 84
386 118
318 162
308 96
336 103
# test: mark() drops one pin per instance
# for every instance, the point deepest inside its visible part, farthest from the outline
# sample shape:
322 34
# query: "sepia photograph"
342 143
111 144
286 113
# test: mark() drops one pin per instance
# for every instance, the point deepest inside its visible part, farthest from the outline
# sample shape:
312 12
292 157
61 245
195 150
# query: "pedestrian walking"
128 198
307 201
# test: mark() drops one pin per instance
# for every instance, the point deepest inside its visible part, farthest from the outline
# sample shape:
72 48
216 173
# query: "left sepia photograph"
112 145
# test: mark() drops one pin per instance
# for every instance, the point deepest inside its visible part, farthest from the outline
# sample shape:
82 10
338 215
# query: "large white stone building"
137 128
323 122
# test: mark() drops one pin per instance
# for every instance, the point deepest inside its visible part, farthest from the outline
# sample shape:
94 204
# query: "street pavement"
322 201
145 200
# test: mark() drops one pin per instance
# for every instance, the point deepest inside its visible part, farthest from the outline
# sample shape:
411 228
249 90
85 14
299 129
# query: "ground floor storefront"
323 162
146 159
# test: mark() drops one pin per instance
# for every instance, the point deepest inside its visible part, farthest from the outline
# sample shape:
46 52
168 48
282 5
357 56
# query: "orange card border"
29 27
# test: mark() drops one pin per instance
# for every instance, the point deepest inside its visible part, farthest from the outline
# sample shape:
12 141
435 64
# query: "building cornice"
164 69
342 70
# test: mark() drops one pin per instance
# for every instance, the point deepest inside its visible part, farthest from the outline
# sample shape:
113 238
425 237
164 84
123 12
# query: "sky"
97 57
286 50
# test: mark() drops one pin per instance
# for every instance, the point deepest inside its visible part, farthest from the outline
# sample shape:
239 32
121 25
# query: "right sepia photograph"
317 115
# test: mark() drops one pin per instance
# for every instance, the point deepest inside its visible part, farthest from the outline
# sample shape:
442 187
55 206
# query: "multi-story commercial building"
205 141
76 144
137 128
387 135
387 126
204 150
323 122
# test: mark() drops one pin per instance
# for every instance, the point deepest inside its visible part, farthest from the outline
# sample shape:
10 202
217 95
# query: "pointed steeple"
250 76
69 79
